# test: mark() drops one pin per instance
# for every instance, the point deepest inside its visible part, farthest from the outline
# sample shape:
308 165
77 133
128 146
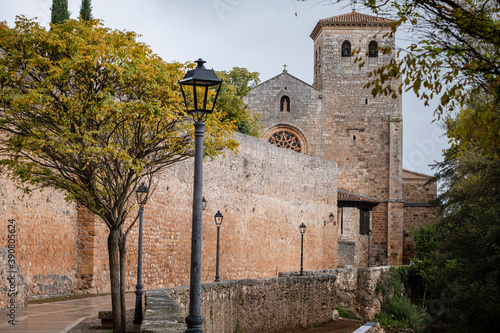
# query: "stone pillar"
395 201
86 249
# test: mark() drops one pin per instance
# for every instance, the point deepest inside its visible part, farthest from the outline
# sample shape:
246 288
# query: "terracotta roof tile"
355 18
351 19
351 197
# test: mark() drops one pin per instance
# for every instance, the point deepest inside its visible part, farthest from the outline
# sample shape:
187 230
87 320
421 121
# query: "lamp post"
142 197
302 230
199 83
369 243
218 221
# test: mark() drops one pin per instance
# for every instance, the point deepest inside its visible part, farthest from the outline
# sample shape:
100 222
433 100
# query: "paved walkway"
58 316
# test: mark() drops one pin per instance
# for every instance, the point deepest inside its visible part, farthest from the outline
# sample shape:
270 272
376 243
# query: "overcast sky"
260 35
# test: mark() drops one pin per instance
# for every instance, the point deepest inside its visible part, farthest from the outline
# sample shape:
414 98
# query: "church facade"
338 119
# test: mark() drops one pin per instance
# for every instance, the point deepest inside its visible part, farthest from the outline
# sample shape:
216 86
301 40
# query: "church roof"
285 72
413 174
350 19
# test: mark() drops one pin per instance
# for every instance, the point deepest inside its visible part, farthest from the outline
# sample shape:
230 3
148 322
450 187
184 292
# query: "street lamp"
369 243
302 230
142 197
218 221
200 88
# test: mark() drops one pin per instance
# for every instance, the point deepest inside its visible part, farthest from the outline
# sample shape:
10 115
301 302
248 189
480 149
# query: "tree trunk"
123 255
114 275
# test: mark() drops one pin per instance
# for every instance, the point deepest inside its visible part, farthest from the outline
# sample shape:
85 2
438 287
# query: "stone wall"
46 237
417 209
13 287
353 247
264 193
268 305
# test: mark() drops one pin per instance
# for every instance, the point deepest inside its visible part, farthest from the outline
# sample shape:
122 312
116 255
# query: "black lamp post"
218 221
200 89
369 243
142 197
302 230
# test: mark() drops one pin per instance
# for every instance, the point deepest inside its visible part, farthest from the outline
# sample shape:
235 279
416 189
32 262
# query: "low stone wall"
267 305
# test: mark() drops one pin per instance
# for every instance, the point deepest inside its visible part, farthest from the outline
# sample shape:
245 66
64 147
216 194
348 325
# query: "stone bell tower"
361 133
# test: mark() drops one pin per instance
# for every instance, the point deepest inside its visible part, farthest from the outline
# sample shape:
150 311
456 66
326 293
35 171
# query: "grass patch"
347 313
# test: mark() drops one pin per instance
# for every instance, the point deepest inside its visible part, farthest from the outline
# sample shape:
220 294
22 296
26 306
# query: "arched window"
373 49
346 49
285 136
285 104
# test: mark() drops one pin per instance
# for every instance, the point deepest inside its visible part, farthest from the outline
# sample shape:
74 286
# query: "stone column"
395 201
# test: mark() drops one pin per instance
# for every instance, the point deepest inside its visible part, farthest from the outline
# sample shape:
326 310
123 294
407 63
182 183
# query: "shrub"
396 308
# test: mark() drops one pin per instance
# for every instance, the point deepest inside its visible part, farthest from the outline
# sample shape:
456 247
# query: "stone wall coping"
334 271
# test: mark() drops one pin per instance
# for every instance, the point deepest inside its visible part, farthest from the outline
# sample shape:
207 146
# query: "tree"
453 54
86 10
459 258
238 82
93 112
59 11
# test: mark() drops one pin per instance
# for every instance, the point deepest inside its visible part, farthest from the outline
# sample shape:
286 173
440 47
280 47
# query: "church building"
338 119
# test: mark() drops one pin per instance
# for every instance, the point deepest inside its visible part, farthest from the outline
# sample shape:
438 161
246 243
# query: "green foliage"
237 83
469 239
459 258
59 11
346 312
396 309
239 329
92 112
86 10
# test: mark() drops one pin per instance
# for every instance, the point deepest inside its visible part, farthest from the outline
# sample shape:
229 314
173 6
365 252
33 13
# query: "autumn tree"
93 113
86 10
59 11
238 82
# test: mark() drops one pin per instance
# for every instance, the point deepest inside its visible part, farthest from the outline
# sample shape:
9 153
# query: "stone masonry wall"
271 304
342 122
353 247
417 210
46 237
264 193
305 108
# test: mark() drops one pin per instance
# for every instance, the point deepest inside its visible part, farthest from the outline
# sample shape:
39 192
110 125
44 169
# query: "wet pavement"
58 316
